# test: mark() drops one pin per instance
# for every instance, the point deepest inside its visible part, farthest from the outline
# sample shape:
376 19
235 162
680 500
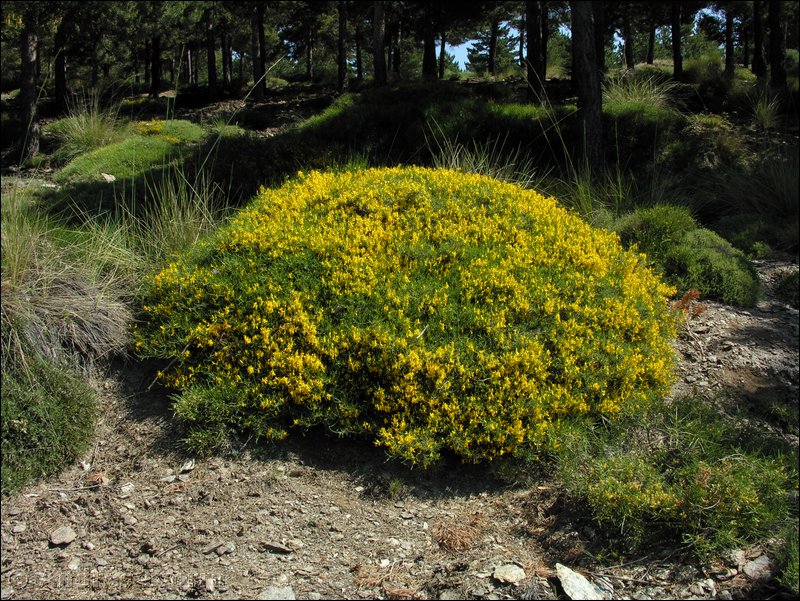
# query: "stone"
209 584
62 536
210 547
576 586
509 573
758 569
725 595
108 178
278 593
225 549
451 594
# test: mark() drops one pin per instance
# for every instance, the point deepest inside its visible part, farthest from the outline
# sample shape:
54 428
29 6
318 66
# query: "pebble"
225 549
209 583
509 573
276 592
19 528
62 536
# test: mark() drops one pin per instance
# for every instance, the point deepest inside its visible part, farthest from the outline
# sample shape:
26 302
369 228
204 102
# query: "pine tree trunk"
599 23
442 53
60 66
545 38
745 47
534 62
651 42
495 27
677 56
429 67
342 46
522 27
147 63
227 62
378 31
397 53
588 84
359 62
258 92
262 48
211 58
630 62
730 63
155 67
29 47
777 46
309 59
759 65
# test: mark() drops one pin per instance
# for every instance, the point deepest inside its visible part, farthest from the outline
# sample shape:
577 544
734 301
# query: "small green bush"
48 414
706 262
428 310
691 257
704 144
788 288
676 472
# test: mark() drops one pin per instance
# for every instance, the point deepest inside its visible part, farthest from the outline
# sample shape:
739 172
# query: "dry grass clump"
458 535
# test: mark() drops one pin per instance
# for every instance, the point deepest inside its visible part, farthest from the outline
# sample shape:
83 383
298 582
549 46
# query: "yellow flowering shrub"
429 310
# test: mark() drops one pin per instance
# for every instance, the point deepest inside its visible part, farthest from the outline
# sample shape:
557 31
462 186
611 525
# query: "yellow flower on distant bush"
426 309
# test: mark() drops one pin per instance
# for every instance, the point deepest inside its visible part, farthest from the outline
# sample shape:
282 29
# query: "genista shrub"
428 310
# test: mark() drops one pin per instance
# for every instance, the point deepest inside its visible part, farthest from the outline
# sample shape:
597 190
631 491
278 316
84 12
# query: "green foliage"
679 472
760 203
691 257
135 154
708 263
789 558
704 144
87 128
427 310
788 288
655 228
505 59
766 109
48 414
639 89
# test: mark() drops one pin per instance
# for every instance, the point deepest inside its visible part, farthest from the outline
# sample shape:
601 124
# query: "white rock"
62 536
277 592
576 586
758 569
509 573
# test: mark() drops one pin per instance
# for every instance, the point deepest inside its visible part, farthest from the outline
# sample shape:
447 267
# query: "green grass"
83 131
133 155
63 306
639 91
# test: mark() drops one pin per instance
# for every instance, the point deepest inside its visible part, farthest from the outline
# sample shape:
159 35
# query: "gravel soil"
323 518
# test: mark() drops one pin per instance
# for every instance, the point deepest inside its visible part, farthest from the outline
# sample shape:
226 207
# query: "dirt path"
320 518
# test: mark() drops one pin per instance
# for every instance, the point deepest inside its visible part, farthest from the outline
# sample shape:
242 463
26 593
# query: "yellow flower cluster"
428 309
149 128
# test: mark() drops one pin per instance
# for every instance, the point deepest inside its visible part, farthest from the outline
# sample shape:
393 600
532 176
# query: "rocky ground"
321 518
